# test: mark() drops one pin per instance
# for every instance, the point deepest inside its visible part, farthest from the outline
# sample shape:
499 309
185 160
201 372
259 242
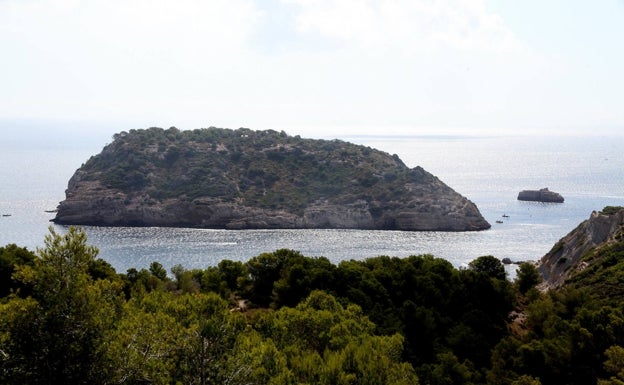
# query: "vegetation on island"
266 169
284 318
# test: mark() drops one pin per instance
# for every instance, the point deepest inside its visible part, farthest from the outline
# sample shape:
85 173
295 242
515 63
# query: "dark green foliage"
54 336
264 271
609 210
605 275
142 281
232 272
527 277
568 332
11 257
158 270
299 277
490 266
327 343
432 304
100 269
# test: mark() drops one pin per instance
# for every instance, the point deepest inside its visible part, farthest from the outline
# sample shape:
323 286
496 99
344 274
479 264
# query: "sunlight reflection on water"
490 171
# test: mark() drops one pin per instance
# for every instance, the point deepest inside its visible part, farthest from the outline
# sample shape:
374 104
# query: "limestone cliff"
243 179
586 248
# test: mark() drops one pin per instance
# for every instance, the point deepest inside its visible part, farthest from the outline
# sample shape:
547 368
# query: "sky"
316 68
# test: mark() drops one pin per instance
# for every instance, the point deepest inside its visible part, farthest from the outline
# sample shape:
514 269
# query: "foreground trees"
55 334
283 318
68 320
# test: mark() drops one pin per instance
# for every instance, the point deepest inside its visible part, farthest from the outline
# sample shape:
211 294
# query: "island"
541 195
245 179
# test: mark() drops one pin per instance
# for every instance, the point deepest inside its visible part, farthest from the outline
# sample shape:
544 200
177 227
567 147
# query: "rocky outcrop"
571 255
541 195
244 179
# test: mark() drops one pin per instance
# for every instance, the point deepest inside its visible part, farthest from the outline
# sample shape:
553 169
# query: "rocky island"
245 179
541 195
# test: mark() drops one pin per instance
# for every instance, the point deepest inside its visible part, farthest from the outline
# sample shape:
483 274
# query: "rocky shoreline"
90 203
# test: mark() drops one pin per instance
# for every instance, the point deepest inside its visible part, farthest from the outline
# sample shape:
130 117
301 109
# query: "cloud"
345 62
143 26
285 64
113 52
407 24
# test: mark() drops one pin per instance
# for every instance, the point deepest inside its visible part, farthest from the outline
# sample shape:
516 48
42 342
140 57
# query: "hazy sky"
314 67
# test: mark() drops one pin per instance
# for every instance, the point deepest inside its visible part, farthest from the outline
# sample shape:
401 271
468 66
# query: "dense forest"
67 317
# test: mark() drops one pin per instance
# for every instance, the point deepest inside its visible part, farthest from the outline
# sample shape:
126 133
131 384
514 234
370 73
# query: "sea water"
489 170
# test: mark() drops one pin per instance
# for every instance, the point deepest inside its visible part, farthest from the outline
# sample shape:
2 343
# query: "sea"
489 170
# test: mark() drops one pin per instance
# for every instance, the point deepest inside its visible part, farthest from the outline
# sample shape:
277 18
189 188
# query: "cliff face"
243 179
585 248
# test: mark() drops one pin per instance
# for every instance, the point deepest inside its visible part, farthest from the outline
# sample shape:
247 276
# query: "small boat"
499 221
505 216
6 215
